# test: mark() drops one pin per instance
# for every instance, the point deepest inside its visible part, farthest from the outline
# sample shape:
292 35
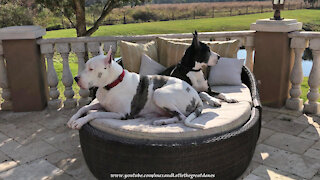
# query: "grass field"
233 23
181 26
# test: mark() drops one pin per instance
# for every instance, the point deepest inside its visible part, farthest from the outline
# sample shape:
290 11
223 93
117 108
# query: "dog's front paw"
78 123
72 120
214 102
231 100
159 122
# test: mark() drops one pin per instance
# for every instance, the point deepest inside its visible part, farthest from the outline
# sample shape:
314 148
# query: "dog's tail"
192 116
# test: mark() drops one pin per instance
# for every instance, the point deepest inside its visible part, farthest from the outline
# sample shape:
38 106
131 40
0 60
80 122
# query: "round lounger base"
225 155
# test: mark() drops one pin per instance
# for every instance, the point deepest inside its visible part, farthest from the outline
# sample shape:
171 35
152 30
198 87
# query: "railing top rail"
145 37
305 34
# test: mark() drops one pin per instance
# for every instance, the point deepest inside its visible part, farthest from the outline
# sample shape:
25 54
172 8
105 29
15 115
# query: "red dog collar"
115 82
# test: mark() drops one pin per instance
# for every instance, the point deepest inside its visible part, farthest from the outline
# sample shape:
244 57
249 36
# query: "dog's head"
201 53
97 71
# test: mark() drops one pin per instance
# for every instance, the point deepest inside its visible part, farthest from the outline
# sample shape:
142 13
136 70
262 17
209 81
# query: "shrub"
14 15
144 16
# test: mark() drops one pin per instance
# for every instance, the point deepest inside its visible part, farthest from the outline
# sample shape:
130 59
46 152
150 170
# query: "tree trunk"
80 17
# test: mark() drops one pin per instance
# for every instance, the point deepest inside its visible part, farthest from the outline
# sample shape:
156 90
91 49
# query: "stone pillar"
25 67
273 61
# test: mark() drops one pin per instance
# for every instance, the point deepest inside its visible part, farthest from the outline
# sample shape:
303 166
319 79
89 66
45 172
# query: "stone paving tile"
268 116
264 134
314 153
286 126
286 117
266 172
316 145
67 141
39 169
23 133
60 150
316 178
62 176
27 153
52 121
311 133
290 143
9 116
3 137
250 168
4 157
253 177
283 160
55 157
305 119
76 167
283 111
6 165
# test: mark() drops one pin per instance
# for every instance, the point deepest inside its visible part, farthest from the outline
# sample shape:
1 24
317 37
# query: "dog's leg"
95 115
211 100
166 121
94 105
174 111
221 96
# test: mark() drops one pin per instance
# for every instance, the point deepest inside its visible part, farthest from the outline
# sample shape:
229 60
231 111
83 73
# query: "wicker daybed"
225 154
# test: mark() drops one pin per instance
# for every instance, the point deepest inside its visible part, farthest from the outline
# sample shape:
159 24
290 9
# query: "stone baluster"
113 47
54 102
7 104
295 102
249 45
79 49
67 79
312 106
93 48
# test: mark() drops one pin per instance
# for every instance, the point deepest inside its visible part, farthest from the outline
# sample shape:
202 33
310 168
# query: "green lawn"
181 26
233 23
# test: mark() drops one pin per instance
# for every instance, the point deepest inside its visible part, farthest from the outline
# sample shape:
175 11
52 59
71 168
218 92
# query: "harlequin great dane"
126 95
190 67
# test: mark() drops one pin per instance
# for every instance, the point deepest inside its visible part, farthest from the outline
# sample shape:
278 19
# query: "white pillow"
149 66
226 72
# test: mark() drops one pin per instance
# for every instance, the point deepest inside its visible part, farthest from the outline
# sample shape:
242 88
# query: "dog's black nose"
76 78
218 57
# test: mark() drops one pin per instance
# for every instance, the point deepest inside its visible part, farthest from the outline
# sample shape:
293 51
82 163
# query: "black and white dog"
189 69
127 95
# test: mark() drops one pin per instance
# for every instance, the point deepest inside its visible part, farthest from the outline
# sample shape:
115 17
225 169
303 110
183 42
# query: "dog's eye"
90 69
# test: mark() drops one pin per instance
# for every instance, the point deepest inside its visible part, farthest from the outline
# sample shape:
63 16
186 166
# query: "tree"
76 8
13 14
311 2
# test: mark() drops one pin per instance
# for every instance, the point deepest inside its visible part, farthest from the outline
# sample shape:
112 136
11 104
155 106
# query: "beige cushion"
132 52
162 44
170 51
216 120
224 48
174 53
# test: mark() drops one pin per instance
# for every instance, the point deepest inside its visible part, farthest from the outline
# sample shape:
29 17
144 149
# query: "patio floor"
38 145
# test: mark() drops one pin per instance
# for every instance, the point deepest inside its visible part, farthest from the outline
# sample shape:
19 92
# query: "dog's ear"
101 49
195 41
108 58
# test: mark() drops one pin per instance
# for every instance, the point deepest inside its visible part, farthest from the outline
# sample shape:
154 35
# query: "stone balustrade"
80 46
299 42
6 104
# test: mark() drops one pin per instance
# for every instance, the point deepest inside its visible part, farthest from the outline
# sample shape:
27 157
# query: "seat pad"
217 120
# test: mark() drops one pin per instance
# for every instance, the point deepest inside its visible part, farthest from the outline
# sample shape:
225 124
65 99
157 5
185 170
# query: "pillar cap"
21 32
285 25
